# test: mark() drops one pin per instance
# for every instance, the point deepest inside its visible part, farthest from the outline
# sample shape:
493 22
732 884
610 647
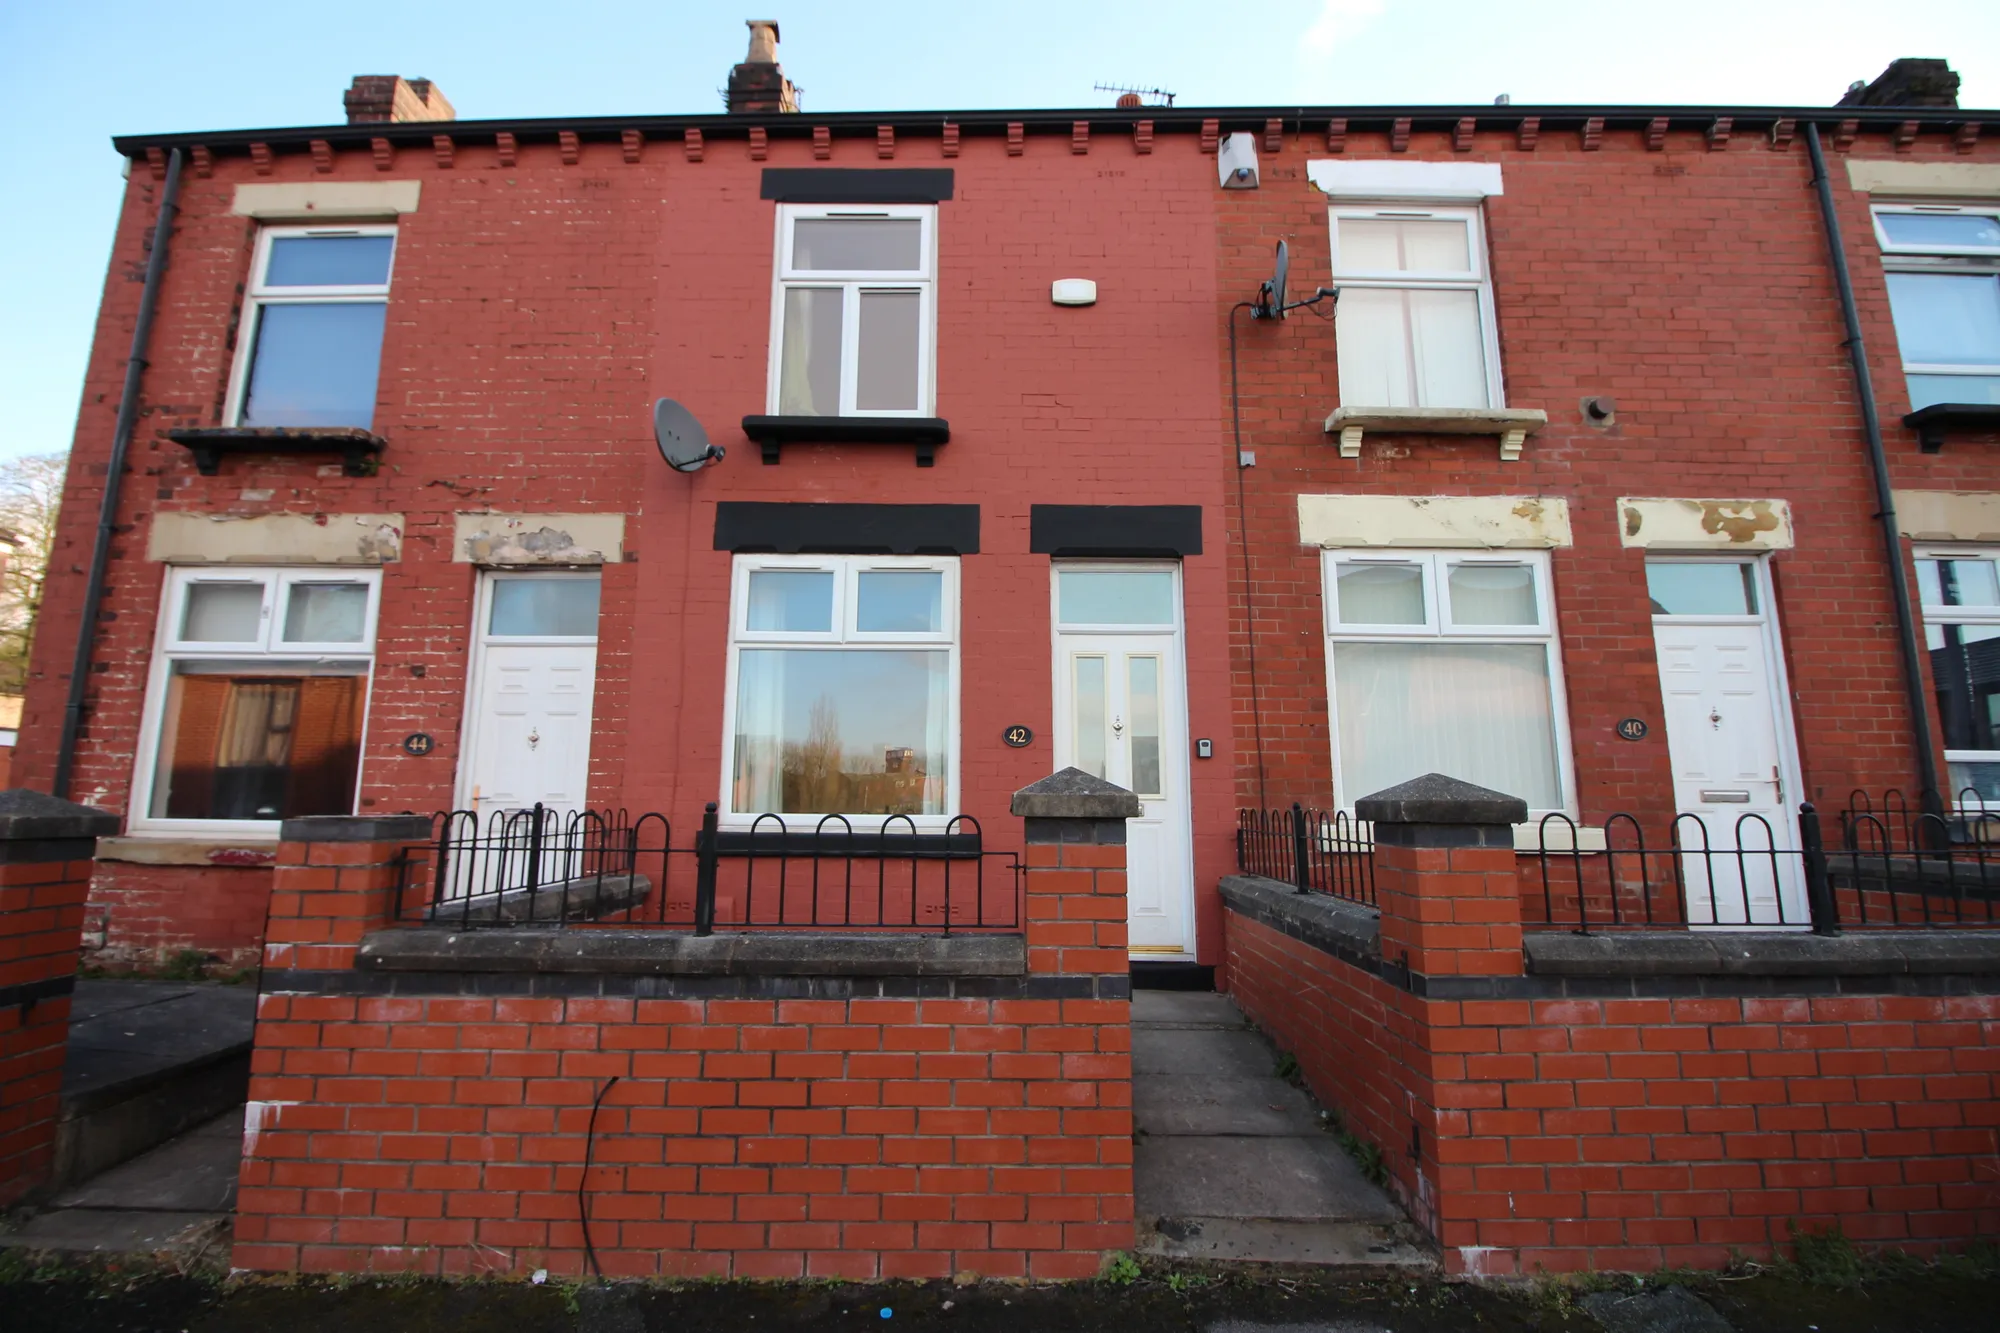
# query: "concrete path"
178 1197
147 1061
1231 1161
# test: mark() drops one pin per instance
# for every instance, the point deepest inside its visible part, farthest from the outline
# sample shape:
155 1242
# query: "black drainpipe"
107 512
1885 496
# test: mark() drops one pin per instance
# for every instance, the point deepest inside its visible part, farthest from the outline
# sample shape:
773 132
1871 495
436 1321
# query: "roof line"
1165 120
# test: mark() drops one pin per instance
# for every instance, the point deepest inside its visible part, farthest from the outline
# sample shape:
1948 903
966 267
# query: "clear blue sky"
75 72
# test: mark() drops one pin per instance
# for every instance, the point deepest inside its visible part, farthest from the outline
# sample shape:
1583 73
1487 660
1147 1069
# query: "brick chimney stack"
759 84
376 98
1907 82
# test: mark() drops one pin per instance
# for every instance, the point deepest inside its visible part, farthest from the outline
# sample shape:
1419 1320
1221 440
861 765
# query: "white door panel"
531 726
1723 721
1121 714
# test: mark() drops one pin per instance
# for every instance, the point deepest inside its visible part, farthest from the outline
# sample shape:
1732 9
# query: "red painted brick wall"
41 916
143 914
538 310
1694 287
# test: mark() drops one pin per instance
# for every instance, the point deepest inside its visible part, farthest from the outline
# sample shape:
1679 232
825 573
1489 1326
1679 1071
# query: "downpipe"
114 476
1885 496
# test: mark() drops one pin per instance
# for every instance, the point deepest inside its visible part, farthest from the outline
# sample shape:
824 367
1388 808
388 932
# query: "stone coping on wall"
1346 929
1898 951
667 953
1563 964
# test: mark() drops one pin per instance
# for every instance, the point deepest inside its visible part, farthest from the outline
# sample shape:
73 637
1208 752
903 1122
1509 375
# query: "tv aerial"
683 442
1270 302
1123 90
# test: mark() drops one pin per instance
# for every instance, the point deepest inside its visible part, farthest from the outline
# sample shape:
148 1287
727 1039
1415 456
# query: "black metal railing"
1313 851
543 867
1754 873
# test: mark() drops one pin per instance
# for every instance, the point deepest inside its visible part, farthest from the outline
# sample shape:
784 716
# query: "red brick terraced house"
732 483
399 399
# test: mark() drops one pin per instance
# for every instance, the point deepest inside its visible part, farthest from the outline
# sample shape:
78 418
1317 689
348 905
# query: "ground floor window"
258 693
1960 591
843 686
1445 662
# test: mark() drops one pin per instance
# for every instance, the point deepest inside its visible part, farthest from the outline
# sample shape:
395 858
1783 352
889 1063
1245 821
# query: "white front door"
534 674
1728 742
1121 714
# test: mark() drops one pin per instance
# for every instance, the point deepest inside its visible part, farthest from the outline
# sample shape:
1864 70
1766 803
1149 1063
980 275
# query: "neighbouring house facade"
1572 497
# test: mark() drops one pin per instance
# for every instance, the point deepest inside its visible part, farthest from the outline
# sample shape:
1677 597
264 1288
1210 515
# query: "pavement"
1234 1163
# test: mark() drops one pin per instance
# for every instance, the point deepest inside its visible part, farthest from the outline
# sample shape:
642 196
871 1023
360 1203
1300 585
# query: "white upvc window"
842 697
1960 591
309 352
1446 662
1414 326
1943 271
257 698
854 312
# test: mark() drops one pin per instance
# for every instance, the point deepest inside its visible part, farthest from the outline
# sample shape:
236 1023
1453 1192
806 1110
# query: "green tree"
30 496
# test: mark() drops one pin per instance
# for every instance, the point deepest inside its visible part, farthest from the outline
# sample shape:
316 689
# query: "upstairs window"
1943 265
1414 325
257 698
1960 591
852 327
311 348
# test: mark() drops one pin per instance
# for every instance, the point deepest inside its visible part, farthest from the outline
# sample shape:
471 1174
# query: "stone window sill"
244 852
359 450
1512 424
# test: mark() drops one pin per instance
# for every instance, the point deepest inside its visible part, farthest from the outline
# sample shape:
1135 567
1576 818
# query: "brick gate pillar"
336 879
1074 918
1445 877
46 850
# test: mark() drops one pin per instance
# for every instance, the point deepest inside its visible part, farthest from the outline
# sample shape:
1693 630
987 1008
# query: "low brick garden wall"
810 1107
1628 1102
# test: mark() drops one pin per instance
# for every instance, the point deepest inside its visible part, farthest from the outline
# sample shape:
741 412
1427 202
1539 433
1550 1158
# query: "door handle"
1712 797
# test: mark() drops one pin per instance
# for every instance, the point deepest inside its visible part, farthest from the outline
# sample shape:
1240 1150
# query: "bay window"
258 692
843 689
853 318
1960 592
1445 662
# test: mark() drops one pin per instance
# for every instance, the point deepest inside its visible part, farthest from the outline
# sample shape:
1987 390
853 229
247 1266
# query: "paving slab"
1195 1104
1303 1179
193 1173
1185 1009
1207 1052
127 1035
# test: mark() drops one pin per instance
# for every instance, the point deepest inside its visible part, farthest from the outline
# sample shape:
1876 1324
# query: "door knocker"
1715 719
534 739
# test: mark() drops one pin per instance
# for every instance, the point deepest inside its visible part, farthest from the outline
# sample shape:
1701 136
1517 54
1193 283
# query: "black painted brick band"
34 992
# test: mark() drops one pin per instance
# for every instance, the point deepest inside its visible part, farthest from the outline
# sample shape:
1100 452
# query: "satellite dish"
1271 295
683 442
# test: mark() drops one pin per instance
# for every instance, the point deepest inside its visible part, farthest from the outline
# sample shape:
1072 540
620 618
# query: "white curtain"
760 742
937 736
1410 347
1474 711
809 372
